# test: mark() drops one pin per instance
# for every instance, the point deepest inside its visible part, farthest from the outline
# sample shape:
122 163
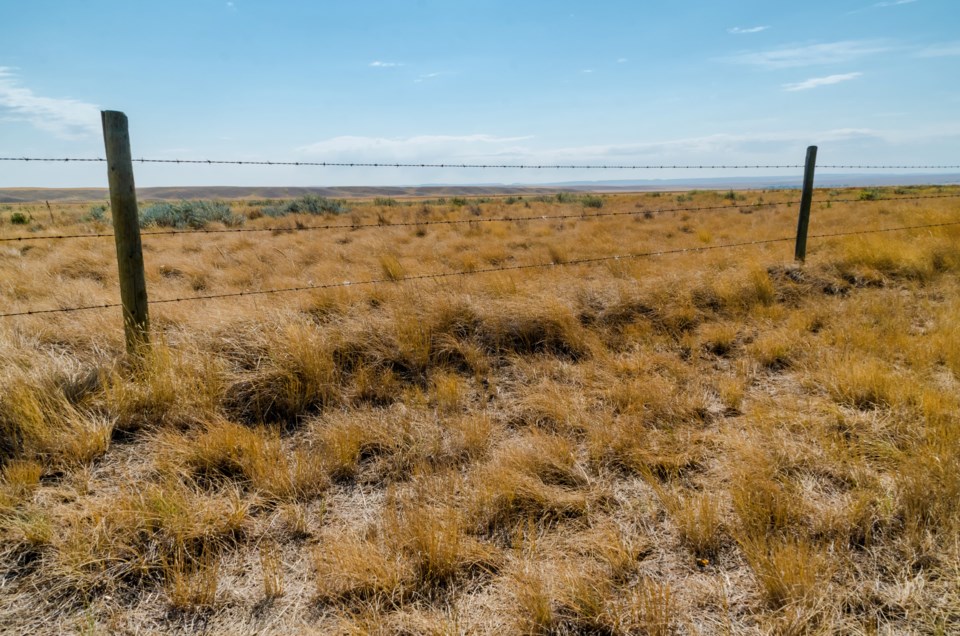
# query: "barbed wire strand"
580 261
885 167
882 199
467 221
378 164
500 219
384 225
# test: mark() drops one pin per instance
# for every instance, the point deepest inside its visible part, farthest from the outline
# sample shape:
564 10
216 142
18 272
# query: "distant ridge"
29 195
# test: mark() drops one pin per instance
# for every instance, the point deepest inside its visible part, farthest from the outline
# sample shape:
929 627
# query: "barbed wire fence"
130 259
466 221
496 166
488 270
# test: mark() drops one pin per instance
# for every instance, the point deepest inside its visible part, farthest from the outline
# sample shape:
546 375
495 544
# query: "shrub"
188 214
458 202
869 195
96 213
385 201
591 201
19 218
309 204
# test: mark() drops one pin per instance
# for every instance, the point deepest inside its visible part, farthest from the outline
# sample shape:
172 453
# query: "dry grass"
716 442
653 608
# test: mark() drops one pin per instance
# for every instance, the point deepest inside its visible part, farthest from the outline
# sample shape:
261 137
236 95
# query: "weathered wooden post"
126 231
806 198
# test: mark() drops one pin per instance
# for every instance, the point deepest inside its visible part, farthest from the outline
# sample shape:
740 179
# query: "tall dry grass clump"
718 441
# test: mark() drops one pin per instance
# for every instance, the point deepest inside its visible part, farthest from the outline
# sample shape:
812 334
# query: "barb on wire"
580 261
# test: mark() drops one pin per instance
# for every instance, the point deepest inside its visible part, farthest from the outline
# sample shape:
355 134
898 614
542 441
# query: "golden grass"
256 458
653 608
698 519
789 572
710 442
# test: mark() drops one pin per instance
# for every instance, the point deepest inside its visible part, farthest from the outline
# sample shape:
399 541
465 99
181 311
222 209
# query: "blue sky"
685 81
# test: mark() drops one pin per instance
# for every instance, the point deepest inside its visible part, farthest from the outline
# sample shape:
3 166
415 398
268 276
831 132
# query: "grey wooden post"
126 230
806 198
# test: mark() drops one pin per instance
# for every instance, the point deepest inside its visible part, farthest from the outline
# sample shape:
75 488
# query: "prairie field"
718 441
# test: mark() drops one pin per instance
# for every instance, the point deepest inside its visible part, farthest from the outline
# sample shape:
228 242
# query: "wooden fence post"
126 231
806 198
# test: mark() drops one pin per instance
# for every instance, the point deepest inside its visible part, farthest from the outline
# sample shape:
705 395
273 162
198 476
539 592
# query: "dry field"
706 443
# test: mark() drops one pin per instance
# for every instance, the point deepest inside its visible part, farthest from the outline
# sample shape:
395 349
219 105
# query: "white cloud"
815 82
587 70
621 60
741 31
893 3
705 148
811 54
430 76
64 118
882 5
718 148
420 147
379 64
949 49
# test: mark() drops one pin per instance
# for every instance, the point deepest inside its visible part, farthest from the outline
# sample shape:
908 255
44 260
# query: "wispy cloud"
743 30
64 118
815 82
434 75
719 143
882 5
763 146
380 64
948 49
621 60
893 3
413 148
587 71
811 54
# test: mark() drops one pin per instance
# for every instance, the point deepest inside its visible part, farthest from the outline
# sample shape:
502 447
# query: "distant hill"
28 195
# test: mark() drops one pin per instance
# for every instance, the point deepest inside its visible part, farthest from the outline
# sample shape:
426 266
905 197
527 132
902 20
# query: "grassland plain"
705 443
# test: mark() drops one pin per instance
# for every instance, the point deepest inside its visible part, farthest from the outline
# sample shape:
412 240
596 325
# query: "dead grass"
719 442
